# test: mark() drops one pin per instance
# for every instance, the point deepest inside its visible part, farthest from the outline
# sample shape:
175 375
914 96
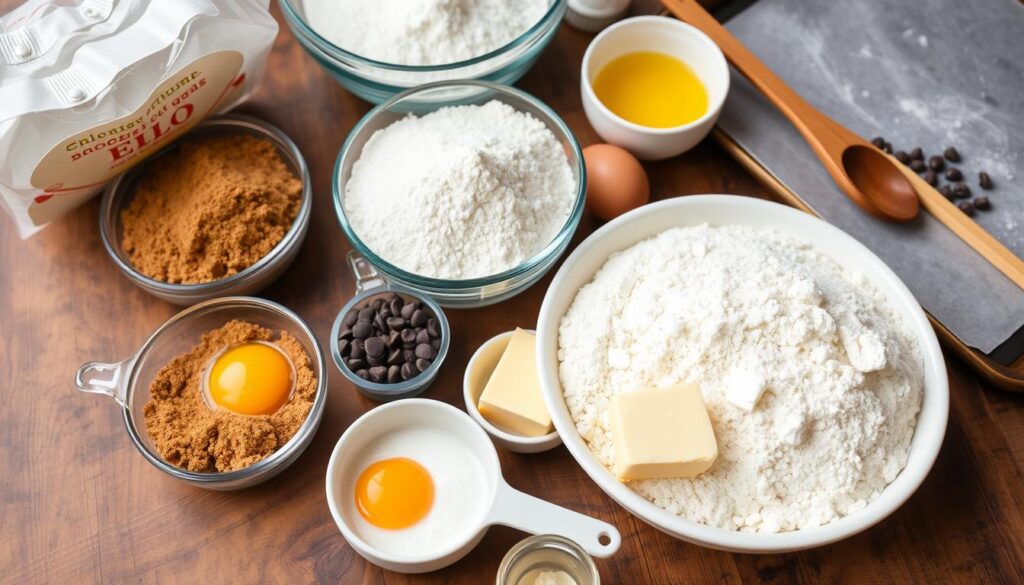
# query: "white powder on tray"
714 304
423 32
462 192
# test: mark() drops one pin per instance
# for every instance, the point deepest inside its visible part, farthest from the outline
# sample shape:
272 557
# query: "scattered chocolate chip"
936 163
394 374
953 174
985 181
918 166
422 365
966 207
917 154
947 191
878 141
887 148
351 318
902 156
408 371
931 178
951 154
375 347
982 203
378 374
961 191
362 329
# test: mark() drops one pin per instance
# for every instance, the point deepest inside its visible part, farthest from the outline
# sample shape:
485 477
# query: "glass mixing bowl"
119 193
376 81
128 382
474 292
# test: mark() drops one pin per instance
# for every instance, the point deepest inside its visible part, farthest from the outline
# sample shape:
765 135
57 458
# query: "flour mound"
463 192
423 32
843 373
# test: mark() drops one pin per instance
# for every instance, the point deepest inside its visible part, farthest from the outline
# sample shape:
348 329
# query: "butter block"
512 399
662 432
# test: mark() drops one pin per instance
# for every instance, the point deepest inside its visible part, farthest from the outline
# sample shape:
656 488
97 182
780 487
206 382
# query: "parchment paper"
929 74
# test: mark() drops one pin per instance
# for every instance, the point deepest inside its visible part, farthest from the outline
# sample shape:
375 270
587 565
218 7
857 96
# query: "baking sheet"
929 74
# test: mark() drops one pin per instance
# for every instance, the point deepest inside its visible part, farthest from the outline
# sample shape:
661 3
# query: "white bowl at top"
650 220
659 34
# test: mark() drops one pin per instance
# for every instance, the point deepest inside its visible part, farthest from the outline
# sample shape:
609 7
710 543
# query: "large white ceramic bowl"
652 219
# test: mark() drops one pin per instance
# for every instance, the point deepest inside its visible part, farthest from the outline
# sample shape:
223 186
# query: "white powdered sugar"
462 192
423 32
825 379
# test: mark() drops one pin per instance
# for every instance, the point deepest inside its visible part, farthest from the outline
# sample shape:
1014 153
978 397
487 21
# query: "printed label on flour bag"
171 65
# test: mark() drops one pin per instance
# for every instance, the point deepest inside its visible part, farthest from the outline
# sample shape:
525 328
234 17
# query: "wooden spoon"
873 180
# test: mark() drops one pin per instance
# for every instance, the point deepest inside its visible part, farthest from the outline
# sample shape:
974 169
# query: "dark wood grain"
79 505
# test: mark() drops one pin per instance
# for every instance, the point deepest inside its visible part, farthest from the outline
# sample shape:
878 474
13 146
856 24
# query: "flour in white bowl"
423 32
712 305
462 192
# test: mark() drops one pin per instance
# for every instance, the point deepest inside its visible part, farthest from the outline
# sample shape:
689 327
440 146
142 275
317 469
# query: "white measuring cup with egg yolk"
470 494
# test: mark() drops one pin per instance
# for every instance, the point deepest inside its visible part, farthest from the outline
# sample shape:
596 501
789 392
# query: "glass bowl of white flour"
377 48
470 199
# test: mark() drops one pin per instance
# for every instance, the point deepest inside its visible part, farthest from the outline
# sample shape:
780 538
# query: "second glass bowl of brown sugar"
118 195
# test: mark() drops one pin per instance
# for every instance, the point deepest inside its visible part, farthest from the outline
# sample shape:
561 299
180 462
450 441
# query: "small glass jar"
547 552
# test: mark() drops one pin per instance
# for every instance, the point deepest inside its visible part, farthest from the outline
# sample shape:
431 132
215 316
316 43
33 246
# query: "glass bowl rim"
444 284
274 459
115 191
292 16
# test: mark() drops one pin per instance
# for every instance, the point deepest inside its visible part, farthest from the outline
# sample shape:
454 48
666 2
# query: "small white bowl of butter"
478 373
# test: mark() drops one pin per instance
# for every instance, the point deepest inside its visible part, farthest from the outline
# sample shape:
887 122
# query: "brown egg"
616 183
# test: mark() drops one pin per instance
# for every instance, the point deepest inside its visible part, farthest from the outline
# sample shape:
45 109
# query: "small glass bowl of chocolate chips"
390 342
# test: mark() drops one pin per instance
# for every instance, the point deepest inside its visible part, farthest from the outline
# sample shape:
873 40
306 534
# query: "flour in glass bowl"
844 374
462 192
423 32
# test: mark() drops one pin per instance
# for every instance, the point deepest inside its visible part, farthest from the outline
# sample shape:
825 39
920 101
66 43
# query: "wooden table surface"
80 505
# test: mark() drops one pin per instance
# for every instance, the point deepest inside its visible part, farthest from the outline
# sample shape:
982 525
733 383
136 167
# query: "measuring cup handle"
365 274
536 516
103 378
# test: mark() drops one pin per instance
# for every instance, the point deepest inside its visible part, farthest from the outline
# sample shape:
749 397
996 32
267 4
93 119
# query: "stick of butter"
662 433
512 399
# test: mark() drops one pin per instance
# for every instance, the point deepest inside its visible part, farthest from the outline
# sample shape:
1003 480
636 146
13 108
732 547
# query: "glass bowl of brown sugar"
221 211
214 454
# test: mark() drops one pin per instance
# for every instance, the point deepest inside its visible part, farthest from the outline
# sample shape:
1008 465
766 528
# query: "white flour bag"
89 88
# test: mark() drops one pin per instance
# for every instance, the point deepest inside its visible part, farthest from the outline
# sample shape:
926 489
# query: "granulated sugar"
462 192
715 304
423 32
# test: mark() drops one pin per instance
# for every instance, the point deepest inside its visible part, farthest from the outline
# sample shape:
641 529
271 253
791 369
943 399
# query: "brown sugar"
210 209
189 434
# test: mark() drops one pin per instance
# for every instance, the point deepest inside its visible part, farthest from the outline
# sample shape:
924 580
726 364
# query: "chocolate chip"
918 166
936 163
887 148
365 314
375 360
917 154
985 181
362 329
396 306
408 336
355 364
385 311
395 357
382 325
408 356
966 207
947 191
375 347
951 154
961 191
345 333
358 349
351 318
408 371
433 328
395 322
363 374
376 304
424 351
902 156
436 344
394 374
982 203
419 318
407 310
423 336
378 374
931 178
953 174
422 365
394 338
343 347
878 141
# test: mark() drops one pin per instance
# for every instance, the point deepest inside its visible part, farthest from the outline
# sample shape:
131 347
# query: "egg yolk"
394 493
252 378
